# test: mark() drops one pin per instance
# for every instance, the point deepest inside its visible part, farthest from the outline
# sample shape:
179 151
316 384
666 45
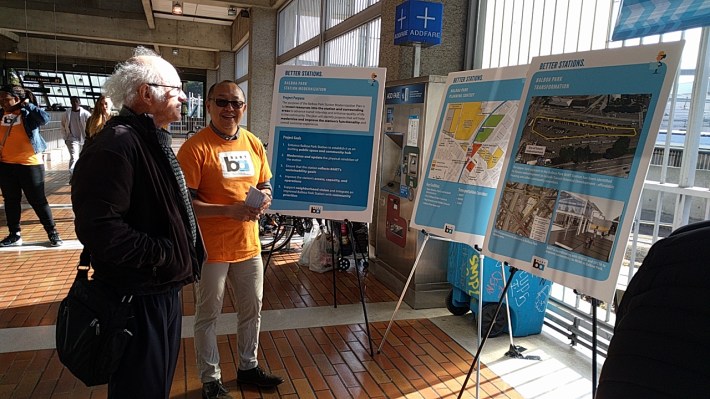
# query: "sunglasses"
223 103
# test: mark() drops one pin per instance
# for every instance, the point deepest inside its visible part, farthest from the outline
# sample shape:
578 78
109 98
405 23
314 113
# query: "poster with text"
324 141
571 182
466 153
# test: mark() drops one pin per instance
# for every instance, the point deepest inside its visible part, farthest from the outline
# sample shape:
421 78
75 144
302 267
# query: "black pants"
148 365
16 179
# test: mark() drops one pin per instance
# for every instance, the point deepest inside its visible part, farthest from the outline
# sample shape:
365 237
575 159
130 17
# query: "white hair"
122 85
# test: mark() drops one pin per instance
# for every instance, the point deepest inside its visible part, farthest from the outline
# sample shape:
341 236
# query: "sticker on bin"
449 228
539 263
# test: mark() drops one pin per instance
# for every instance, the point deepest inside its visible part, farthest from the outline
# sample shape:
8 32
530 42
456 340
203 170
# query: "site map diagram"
472 143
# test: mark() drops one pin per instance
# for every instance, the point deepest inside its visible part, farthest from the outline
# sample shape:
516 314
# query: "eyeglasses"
174 90
223 103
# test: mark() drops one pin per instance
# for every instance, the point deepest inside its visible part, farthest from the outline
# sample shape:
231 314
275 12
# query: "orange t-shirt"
221 171
17 148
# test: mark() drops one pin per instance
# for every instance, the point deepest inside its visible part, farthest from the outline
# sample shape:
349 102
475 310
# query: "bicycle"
275 231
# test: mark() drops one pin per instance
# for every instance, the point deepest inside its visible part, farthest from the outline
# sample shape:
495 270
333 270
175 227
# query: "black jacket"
663 323
129 210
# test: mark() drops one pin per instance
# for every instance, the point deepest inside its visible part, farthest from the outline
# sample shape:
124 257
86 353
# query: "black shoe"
214 390
257 376
54 239
12 240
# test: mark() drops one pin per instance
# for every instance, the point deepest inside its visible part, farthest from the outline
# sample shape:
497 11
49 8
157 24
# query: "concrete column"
262 62
438 60
210 79
226 69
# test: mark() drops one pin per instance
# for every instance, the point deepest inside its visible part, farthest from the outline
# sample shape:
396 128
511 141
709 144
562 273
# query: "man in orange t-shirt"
221 162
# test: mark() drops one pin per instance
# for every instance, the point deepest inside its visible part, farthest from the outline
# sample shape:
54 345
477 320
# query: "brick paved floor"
418 360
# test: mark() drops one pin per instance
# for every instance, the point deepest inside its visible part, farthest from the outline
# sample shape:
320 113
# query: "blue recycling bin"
528 294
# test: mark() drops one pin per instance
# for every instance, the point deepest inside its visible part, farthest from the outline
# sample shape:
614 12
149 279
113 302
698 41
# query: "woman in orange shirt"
21 164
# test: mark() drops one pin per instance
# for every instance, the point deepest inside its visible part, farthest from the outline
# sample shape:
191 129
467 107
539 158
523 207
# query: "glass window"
359 47
98 81
309 58
515 31
83 80
309 19
242 62
56 91
340 10
299 21
288 19
70 79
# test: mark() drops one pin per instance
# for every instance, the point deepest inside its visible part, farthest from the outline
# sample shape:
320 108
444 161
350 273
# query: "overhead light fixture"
176 51
177 8
232 11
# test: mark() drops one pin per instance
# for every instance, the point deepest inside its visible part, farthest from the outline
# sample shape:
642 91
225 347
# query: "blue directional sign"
638 18
418 22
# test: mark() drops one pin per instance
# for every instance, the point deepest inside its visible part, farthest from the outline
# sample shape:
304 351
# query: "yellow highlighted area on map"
491 158
464 119
497 155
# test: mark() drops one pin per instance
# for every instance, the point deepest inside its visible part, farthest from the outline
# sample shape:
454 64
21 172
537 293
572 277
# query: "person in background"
661 322
31 97
22 165
99 116
221 163
134 215
73 128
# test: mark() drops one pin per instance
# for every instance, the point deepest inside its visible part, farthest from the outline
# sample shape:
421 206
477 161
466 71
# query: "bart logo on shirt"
236 164
9 120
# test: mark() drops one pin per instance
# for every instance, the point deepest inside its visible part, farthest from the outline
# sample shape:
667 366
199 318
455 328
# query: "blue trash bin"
528 294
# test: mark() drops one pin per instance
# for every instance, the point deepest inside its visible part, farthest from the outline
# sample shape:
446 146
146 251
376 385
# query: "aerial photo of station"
526 210
587 133
585 224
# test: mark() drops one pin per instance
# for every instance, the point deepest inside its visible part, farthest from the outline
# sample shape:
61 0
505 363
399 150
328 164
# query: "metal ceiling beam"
193 59
148 9
6 33
172 33
241 3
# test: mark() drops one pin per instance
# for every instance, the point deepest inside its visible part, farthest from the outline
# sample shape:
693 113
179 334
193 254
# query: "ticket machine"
411 110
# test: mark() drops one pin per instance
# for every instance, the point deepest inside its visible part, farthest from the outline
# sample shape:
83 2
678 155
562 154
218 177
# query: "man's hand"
267 202
240 211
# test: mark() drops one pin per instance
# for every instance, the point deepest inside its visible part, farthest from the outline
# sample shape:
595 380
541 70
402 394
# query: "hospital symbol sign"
418 22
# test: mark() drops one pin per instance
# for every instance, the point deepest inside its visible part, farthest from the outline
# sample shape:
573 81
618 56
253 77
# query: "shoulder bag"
93 329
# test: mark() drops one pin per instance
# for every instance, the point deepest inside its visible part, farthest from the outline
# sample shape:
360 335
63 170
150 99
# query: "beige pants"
247 280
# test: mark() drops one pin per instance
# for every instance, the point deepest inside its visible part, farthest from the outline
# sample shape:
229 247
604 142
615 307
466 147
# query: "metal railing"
675 156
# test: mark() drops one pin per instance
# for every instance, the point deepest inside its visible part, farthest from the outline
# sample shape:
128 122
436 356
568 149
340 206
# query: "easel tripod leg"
359 284
404 292
488 332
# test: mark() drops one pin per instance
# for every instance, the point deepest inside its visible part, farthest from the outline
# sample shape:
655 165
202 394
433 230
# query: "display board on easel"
466 153
575 168
324 141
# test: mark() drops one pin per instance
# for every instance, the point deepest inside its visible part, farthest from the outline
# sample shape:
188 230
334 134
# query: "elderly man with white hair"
135 216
